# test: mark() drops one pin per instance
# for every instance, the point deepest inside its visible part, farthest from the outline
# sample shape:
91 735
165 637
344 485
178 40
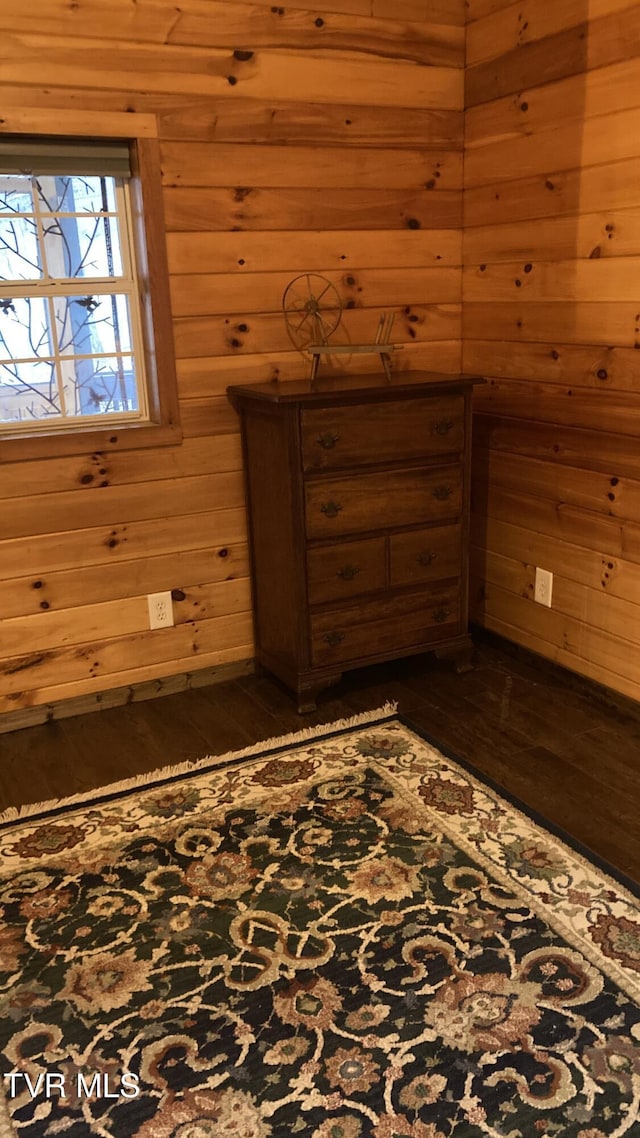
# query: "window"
81 328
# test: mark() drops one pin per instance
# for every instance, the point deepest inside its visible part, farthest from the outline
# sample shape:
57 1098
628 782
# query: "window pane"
77 194
83 246
24 328
28 392
91 325
19 256
15 194
96 387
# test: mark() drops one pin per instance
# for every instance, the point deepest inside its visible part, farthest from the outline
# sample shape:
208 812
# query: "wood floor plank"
565 747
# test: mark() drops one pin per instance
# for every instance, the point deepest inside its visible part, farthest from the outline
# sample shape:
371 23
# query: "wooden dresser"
358 505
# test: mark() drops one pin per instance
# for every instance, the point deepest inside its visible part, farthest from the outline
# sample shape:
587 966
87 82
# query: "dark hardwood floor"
565 748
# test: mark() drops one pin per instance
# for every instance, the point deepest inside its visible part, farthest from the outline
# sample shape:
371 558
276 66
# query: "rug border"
584 851
34 811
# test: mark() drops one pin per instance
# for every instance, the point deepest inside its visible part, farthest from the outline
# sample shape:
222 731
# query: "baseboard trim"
117 697
168 685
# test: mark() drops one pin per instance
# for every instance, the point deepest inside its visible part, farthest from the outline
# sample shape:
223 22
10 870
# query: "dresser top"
347 387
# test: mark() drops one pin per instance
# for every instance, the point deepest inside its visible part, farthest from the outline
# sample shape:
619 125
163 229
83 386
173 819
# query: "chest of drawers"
358 510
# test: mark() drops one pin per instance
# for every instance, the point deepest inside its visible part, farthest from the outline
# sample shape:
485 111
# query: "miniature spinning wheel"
312 310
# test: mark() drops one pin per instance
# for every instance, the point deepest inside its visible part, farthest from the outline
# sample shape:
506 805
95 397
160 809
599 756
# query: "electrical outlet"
543 587
160 610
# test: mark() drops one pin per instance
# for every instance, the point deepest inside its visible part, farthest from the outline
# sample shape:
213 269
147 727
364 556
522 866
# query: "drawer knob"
333 638
348 572
328 440
330 509
441 614
441 493
443 426
426 558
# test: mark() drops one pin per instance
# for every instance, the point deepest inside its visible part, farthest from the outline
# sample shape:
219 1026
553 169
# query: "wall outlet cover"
543 587
160 610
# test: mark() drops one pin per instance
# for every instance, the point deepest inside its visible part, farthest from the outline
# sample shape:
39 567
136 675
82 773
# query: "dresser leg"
308 693
307 702
461 657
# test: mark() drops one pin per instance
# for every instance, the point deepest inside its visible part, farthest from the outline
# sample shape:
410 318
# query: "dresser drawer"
384 625
389 499
404 430
337 572
425 555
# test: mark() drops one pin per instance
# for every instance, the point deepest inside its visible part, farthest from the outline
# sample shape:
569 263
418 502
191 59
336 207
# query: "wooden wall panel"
107 546
606 572
603 139
184 117
576 645
202 294
577 237
321 138
551 315
310 209
184 164
272 74
578 322
561 520
90 585
51 513
600 92
517 24
259 23
91 664
563 446
238 332
476 9
246 252
218 24
585 615
609 279
614 496
561 193
590 42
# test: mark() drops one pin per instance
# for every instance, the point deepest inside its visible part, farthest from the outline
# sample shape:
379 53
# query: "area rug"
344 934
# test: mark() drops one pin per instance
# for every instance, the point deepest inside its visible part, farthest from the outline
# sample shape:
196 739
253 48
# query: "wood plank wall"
325 138
551 300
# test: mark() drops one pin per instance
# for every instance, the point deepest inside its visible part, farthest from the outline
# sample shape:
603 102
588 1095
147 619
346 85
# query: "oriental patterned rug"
346 935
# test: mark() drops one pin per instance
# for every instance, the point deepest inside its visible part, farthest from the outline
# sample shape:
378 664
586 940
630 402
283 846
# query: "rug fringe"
30 809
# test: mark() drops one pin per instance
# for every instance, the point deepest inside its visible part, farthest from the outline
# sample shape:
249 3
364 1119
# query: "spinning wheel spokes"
312 310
